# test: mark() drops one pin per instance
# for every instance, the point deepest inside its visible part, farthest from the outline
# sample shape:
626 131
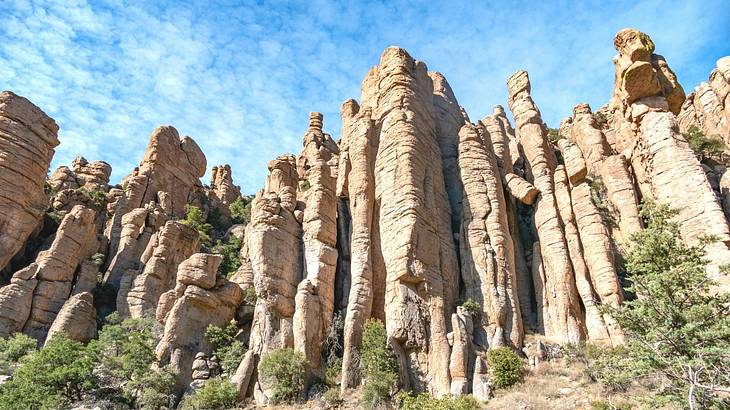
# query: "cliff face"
413 211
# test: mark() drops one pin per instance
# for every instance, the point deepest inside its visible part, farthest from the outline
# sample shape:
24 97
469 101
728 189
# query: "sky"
240 77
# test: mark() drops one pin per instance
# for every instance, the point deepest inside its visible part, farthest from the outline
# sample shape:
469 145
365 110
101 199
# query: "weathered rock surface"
200 298
76 319
708 106
27 139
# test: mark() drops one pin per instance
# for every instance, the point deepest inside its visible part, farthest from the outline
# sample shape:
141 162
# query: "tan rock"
76 319
559 304
27 139
524 191
575 165
487 251
462 352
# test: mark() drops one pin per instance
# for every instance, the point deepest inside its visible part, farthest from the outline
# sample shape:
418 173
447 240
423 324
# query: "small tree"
229 250
50 378
378 364
216 393
703 146
13 349
241 210
194 219
285 369
678 326
506 368
226 347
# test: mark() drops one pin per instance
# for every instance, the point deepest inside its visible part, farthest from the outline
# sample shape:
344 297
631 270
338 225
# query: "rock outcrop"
708 106
27 139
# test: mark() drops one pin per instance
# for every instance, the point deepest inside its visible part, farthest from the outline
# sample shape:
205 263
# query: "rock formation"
460 237
27 139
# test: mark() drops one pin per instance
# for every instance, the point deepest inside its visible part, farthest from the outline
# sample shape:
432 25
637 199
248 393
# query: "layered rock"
200 298
76 319
167 248
558 303
462 352
708 106
27 139
222 191
314 304
37 293
414 216
487 250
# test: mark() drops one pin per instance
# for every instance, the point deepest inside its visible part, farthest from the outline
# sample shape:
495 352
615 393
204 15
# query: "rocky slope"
412 211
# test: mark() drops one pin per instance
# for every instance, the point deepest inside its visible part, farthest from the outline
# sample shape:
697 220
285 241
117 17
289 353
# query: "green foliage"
194 219
554 135
304 185
13 349
471 306
54 216
505 366
604 405
679 328
216 393
332 371
378 365
599 197
425 401
97 197
226 347
229 250
241 210
125 351
704 147
285 369
50 378
613 367
98 259
331 398
249 296
601 119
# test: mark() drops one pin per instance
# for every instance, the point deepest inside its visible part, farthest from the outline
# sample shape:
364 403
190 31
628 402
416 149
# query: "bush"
215 394
599 197
226 347
505 366
194 219
231 259
331 398
98 259
378 365
471 306
554 135
250 296
679 326
97 197
13 349
612 367
50 378
285 369
425 401
332 371
704 147
241 210
153 390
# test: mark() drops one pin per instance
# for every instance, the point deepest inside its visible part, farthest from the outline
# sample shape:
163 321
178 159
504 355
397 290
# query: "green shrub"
230 251
554 135
679 326
241 210
425 401
98 259
471 306
704 147
599 197
152 390
97 197
250 296
505 366
216 393
194 219
332 371
226 347
331 398
378 365
285 370
13 349
601 119
604 405
50 378
612 367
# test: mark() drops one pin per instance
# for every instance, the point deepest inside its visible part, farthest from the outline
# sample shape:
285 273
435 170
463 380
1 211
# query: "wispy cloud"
240 77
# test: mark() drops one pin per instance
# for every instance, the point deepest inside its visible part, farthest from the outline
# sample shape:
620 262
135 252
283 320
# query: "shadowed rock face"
411 213
27 139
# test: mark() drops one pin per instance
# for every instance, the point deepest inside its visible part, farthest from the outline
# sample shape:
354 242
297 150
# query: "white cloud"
241 79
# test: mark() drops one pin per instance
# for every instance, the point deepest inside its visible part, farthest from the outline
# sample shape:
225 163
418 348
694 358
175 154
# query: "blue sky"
241 76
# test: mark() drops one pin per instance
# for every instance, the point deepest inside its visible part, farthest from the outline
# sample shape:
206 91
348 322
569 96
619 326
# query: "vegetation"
378 365
331 397
13 349
678 328
241 210
98 259
704 147
226 347
97 197
505 366
425 401
50 378
249 296
229 250
216 393
554 135
285 369
601 119
599 197
194 219
471 306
